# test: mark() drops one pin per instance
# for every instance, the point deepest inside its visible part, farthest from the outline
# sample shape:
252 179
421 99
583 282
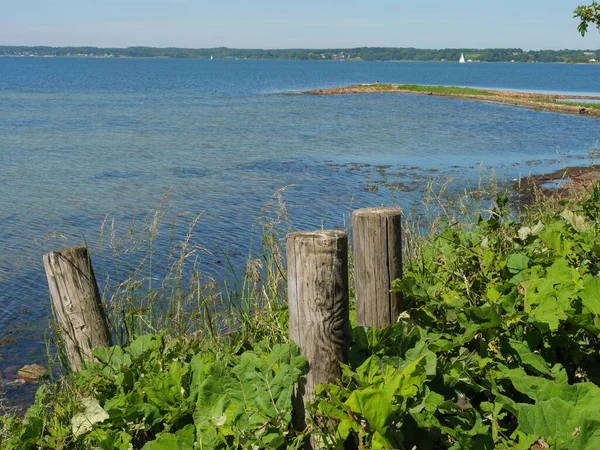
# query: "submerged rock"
32 372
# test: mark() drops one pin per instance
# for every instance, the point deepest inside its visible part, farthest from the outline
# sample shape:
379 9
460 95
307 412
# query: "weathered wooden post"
377 262
77 303
318 307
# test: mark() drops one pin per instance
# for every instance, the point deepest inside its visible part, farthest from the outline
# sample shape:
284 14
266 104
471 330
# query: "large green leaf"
375 406
555 236
214 397
528 358
101 439
198 369
548 295
561 424
166 389
368 372
113 359
142 345
517 264
590 295
181 440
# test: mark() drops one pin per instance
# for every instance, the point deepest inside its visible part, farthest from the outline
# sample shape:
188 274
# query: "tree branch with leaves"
589 14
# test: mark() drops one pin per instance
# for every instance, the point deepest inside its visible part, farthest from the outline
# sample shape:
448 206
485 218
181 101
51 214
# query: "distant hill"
342 54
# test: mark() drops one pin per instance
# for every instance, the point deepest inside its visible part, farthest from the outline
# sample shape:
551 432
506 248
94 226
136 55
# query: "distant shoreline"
404 61
230 58
373 54
570 104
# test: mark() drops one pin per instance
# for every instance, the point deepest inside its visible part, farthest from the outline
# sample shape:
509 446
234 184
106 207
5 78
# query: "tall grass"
449 202
141 298
177 298
261 300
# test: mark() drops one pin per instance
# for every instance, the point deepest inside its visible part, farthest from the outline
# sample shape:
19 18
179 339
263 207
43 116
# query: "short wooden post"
77 303
377 262
318 307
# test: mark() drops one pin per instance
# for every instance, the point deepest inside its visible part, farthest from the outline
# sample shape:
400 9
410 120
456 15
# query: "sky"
268 24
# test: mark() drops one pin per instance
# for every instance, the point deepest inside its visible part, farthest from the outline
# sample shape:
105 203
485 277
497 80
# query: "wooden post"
318 307
77 303
377 262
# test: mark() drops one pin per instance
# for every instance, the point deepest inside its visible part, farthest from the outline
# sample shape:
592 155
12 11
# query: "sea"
88 145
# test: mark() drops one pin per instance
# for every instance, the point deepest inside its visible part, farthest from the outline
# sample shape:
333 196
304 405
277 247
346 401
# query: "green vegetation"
450 90
161 393
589 14
581 105
497 347
339 54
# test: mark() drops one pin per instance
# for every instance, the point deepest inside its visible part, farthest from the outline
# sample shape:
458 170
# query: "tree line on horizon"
354 54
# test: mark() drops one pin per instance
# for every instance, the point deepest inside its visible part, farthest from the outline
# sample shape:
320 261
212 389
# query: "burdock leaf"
181 440
590 295
528 358
561 424
93 413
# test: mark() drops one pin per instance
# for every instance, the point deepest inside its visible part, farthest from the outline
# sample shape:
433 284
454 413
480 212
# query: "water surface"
81 139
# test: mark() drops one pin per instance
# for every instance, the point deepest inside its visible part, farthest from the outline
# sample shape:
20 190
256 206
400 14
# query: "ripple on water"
190 172
116 174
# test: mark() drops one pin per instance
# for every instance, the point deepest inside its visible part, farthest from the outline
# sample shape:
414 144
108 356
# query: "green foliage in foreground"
498 348
161 395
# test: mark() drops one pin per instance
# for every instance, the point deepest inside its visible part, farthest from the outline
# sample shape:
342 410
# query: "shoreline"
545 102
567 177
561 183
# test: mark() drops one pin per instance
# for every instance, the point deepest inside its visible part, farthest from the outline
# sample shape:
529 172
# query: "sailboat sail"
462 58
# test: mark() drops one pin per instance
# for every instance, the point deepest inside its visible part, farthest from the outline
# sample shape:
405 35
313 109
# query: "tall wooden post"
377 262
77 303
318 307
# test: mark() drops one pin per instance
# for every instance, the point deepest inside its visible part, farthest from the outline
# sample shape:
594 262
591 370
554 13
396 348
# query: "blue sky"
528 24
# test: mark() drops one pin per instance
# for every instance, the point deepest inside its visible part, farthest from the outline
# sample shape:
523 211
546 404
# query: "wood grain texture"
77 303
377 262
318 307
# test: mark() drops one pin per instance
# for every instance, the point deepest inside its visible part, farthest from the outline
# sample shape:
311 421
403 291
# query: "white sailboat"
462 58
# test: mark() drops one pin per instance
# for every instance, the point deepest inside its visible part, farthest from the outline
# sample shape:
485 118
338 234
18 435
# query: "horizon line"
297 48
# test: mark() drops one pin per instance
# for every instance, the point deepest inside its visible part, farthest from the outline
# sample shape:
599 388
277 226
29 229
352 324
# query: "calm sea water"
84 138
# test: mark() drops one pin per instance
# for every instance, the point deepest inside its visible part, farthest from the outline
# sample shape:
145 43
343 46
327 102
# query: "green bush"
497 348
158 394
